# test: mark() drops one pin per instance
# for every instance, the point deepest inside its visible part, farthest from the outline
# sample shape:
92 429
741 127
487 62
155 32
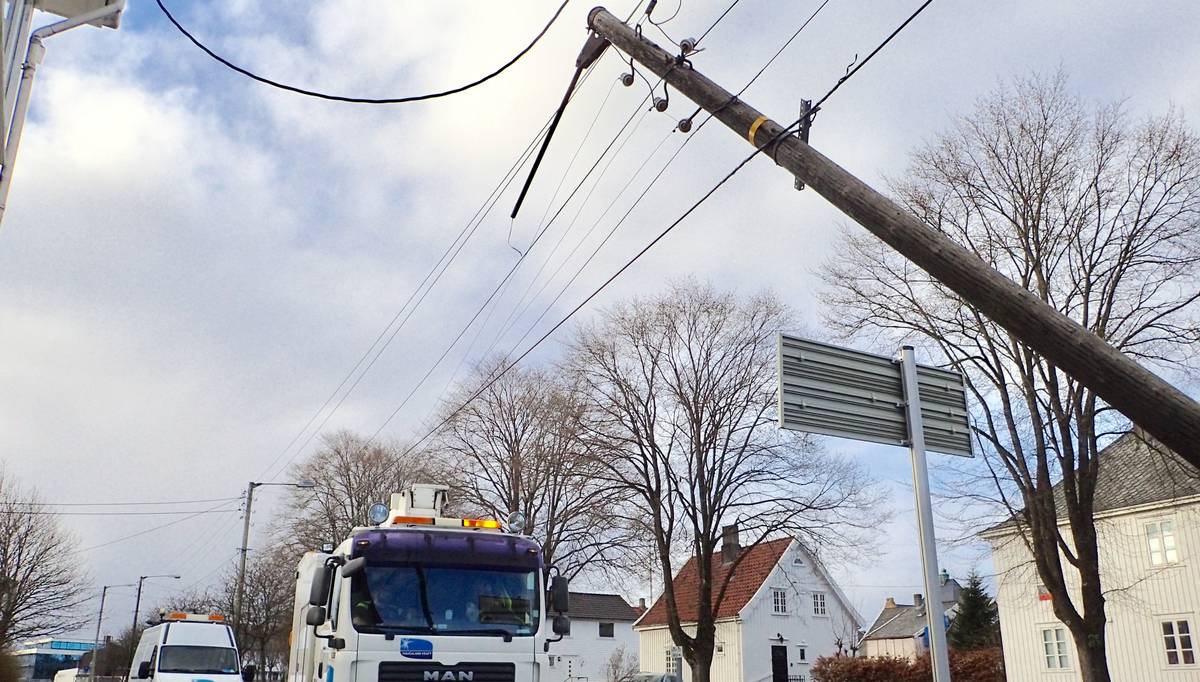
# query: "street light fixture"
241 582
137 603
99 620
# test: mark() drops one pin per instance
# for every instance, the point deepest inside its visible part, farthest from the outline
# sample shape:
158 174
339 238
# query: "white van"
188 647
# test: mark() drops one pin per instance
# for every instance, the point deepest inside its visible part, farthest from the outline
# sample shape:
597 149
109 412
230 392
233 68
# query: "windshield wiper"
480 631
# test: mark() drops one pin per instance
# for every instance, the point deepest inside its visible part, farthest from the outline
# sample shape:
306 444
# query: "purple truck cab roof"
460 548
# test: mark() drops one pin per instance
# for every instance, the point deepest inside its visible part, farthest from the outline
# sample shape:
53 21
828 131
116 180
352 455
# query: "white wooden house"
781 611
601 626
1148 526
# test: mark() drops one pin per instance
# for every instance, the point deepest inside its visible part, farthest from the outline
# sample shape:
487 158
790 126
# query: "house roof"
902 621
607 607
755 566
1135 472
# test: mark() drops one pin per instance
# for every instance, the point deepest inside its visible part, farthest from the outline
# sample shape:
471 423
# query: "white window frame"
1060 657
1162 542
1175 641
674 660
779 605
820 604
719 648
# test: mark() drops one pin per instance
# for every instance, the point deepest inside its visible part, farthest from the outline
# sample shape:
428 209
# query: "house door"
779 664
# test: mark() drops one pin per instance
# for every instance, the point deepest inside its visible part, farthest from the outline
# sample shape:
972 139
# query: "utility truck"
419 597
189 647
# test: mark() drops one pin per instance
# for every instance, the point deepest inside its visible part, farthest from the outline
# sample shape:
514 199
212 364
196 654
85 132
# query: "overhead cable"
770 143
359 100
148 530
418 294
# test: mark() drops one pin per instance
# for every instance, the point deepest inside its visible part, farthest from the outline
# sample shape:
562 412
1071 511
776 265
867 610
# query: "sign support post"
935 624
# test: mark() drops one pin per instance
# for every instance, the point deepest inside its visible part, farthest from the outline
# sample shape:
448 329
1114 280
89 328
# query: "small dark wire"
714 24
767 146
360 100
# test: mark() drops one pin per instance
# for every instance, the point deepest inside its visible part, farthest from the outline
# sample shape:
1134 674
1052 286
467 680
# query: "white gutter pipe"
33 58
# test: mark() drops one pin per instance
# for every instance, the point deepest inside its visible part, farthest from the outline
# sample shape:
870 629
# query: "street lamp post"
137 603
99 620
241 580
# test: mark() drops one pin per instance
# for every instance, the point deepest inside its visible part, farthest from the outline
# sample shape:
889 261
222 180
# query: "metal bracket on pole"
934 622
806 117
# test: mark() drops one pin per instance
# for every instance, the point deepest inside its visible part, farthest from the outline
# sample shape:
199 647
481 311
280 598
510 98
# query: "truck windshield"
209 660
445 600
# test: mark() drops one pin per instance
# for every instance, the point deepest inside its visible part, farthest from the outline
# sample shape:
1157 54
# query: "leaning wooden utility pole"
1152 403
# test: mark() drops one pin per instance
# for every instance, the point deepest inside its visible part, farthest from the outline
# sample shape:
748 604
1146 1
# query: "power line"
126 504
33 512
360 100
714 24
513 318
510 273
515 315
146 531
758 150
444 262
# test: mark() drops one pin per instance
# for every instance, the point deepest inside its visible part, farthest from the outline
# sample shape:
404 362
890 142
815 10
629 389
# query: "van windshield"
210 660
445 600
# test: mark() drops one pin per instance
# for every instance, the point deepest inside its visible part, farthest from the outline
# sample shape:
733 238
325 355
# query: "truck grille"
404 671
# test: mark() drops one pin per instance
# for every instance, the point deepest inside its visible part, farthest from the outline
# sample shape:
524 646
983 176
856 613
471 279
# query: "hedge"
981 665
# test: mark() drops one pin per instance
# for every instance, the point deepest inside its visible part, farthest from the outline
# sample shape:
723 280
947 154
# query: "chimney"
642 603
889 603
730 545
918 600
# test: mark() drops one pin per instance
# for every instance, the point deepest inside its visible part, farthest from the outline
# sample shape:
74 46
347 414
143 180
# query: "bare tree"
267 607
1093 214
516 447
262 636
681 391
350 475
41 582
621 666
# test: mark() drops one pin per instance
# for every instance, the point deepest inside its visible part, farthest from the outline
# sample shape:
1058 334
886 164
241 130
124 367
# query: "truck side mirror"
143 670
560 594
318 594
561 625
315 616
353 567
248 671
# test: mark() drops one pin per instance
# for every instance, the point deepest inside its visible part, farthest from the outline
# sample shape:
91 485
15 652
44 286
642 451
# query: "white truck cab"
189 647
419 596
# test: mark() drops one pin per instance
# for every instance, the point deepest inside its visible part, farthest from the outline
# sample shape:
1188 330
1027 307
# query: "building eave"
1010 529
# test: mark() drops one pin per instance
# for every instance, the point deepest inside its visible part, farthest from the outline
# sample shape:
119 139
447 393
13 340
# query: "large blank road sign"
840 392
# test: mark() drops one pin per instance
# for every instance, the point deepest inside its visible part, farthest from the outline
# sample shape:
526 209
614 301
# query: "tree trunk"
1093 659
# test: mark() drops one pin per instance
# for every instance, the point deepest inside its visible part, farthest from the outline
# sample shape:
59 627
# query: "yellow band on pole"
754 128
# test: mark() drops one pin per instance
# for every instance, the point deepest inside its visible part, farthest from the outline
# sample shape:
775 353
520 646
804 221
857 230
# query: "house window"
1160 535
1181 648
802 655
720 648
778 600
1054 648
606 630
674 660
819 604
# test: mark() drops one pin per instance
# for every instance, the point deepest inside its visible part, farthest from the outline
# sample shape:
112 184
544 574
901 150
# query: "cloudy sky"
191 262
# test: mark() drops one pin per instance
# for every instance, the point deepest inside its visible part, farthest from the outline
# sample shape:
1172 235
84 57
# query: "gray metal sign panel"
840 392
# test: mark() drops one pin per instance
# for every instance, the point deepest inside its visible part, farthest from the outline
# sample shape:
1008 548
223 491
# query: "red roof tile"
756 564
